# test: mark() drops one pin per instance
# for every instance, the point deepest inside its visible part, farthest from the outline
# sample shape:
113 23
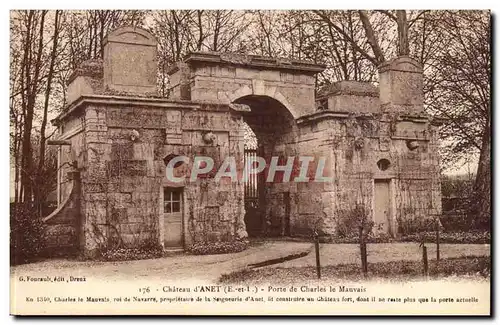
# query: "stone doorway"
267 200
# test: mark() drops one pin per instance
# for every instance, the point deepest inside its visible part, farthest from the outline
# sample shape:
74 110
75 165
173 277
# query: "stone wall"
130 61
355 141
124 172
401 86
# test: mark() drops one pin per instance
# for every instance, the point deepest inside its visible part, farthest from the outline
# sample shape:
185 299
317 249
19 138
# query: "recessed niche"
383 164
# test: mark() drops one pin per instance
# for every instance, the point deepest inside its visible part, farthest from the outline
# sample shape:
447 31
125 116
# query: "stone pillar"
350 96
95 181
180 81
401 86
130 64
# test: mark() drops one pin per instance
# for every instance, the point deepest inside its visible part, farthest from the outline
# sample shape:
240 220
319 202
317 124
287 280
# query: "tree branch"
371 38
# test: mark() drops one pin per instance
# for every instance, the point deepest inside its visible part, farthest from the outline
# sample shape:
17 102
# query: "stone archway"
260 90
278 91
268 212
225 77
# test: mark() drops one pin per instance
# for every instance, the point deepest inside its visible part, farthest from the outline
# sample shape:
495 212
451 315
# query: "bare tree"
460 92
32 48
50 76
45 48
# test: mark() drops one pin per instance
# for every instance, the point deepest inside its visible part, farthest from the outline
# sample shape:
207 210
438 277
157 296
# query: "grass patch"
397 270
445 237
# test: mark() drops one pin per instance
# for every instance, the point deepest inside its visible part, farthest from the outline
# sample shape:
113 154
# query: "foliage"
457 186
458 80
125 254
408 226
457 237
461 204
453 46
457 222
111 232
352 221
446 237
26 233
45 47
208 248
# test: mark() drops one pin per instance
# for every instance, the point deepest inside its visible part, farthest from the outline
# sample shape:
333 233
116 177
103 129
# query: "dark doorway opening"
253 215
274 131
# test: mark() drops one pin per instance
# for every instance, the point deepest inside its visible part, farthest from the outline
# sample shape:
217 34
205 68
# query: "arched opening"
271 133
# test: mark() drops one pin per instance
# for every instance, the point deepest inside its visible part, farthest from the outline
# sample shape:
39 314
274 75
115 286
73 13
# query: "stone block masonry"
379 147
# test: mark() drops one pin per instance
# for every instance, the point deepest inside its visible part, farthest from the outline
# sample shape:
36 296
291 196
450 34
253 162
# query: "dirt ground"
211 267
176 267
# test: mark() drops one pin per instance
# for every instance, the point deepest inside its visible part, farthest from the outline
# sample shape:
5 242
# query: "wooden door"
382 216
172 217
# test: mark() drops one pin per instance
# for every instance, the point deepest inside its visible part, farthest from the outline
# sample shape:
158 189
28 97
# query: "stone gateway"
116 137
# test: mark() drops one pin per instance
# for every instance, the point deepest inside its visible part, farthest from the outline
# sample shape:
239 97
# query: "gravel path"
177 267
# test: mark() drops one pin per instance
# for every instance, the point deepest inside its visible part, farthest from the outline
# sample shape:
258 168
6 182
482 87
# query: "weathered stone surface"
291 83
351 96
130 61
122 147
127 168
85 80
401 85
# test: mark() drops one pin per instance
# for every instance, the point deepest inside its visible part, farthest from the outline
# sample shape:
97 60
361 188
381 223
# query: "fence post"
424 258
362 247
364 259
316 247
437 240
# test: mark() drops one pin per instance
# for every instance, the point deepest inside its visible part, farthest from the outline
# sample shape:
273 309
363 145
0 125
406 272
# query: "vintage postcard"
250 162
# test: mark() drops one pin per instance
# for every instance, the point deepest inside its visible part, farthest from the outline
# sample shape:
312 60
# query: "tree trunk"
41 161
371 38
32 88
482 185
25 80
404 47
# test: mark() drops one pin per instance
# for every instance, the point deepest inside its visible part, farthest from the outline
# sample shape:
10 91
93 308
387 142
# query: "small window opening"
383 164
172 198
